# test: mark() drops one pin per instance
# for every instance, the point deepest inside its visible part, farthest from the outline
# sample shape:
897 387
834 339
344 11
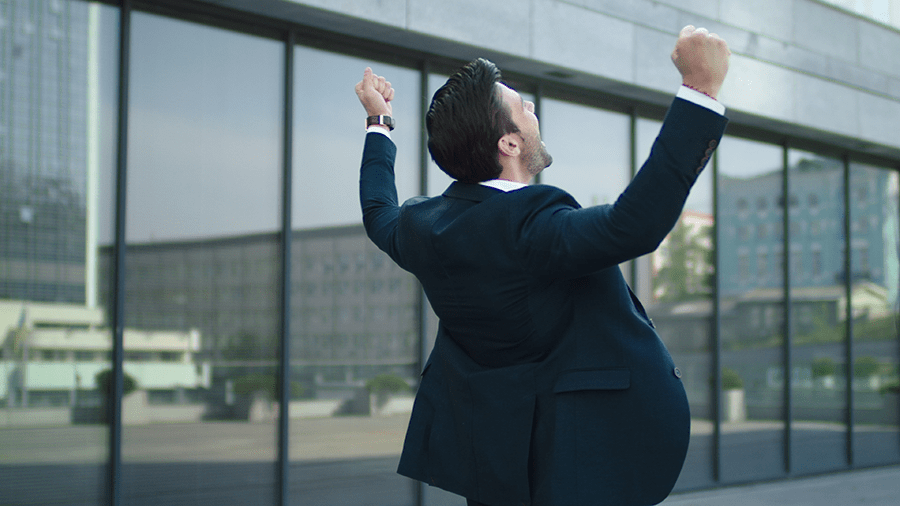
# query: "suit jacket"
547 383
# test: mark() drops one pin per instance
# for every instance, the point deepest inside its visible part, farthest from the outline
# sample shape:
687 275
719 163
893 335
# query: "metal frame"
848 312
284 371
788 328
117 311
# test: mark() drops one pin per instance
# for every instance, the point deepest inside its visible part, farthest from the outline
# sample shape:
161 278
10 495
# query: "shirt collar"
503 184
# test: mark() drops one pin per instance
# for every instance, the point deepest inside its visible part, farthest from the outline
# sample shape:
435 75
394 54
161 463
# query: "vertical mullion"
786 286
848 311
633 167
114 397
538 101
285 253
420 302
716 394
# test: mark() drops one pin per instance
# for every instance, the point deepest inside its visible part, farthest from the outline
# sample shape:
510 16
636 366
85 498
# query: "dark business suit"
548 384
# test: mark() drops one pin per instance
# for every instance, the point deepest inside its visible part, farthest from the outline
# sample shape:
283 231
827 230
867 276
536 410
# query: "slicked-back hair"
465 121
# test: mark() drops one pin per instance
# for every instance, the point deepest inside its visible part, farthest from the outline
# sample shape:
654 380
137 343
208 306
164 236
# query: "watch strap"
380 120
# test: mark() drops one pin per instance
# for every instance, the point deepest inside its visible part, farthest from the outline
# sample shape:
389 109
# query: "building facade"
155 154
43 150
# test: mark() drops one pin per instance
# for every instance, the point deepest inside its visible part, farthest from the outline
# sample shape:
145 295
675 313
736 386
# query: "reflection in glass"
590 148
750 248
679 300
202 277
818 326
58 70
438 180
591 160
875 271
354 331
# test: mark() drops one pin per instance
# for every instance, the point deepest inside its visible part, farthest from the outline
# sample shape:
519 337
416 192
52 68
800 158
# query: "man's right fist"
702 59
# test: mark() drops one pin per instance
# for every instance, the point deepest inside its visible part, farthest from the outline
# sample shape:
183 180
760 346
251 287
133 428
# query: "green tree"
687 271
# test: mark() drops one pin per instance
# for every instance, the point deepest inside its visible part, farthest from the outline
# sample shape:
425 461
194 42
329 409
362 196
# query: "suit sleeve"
558 238
378 194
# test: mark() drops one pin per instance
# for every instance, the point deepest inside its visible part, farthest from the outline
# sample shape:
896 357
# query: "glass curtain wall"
680 301
818 298
874 275
202 271
354 326
749 245
58 103
202 311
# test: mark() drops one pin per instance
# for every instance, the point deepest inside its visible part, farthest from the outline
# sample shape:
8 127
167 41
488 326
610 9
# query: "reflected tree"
686 272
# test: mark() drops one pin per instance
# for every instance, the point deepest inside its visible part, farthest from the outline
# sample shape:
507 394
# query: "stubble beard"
538 158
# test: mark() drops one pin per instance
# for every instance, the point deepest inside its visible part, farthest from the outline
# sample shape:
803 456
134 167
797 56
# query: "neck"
513 172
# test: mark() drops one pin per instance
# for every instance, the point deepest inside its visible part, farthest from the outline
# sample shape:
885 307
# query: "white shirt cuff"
378 129
700 99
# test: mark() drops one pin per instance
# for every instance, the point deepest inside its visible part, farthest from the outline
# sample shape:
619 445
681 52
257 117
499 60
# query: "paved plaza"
340 461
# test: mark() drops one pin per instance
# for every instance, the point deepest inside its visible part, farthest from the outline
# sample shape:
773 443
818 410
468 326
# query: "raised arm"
377 188
565 241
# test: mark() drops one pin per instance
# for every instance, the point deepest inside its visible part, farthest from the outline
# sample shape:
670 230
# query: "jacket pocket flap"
593 379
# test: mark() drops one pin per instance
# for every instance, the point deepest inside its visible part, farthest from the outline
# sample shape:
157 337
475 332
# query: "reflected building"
44 175
52 354
754 217
753 263
354 307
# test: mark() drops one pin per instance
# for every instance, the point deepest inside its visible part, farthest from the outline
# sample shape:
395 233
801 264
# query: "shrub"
823 366
865 367
387 383
104 379
731 380
246 385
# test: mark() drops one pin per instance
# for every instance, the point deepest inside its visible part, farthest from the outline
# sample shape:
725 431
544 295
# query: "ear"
509 145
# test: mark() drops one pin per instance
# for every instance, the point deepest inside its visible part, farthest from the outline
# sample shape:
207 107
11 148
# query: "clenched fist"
702 59
375 94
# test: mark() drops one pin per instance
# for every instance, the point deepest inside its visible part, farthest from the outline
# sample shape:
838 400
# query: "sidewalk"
872 487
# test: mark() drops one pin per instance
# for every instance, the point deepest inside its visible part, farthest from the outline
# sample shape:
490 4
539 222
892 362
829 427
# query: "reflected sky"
590 151
329 132
204 149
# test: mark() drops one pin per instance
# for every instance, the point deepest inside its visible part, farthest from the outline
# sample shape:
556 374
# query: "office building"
178 188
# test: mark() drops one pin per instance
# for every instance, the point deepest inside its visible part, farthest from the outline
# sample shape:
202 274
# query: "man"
548 384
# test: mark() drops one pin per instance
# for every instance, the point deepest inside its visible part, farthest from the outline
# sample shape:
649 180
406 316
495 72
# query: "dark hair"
465 121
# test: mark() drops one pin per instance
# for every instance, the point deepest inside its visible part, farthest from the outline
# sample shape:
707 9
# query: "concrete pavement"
871 487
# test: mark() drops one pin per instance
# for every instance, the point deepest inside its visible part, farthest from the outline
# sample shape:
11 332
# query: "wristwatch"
380 120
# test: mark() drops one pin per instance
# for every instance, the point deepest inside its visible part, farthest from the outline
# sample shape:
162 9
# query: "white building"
53 352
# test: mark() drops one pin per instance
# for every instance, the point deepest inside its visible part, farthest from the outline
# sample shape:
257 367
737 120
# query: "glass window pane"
202 276
354 331
591 157
590 151
875 269
58 97
818 327
750 247
438 180
680 303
